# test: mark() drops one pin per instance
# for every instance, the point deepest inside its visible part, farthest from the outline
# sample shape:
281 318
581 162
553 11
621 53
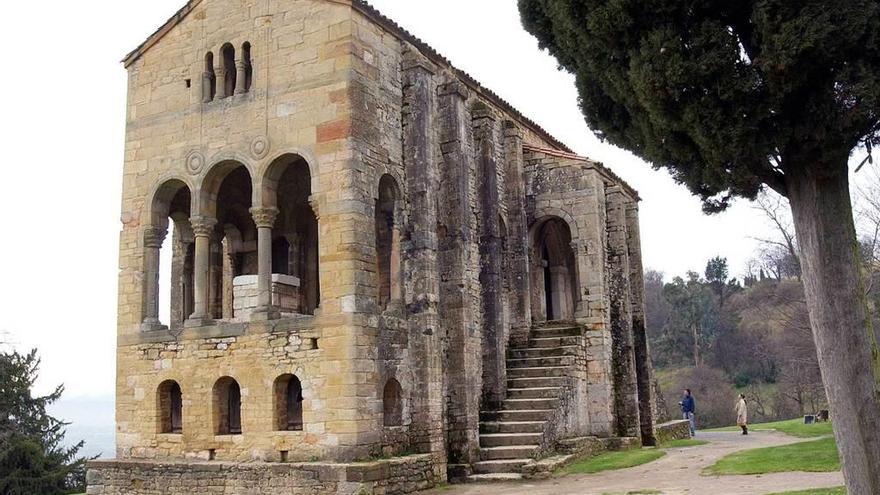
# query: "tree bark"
846 343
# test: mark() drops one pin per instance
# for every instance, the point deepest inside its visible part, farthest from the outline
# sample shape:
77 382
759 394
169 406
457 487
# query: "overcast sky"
63 117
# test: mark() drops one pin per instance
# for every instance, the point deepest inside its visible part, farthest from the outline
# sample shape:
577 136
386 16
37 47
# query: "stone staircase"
513 435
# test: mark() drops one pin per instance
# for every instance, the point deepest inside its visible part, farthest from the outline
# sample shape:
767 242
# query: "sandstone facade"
373 255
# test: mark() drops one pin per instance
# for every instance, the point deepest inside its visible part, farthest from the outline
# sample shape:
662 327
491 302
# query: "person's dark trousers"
745 429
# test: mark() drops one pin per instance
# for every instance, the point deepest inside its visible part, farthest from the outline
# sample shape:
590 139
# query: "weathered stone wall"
672 430
386 477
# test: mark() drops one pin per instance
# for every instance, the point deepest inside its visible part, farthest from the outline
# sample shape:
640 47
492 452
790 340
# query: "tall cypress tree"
731 97
32 457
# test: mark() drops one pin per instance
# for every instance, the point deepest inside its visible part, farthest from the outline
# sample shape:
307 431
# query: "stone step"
509 439
516 415
508 452
512 426
533 393
529 404
499 466
537 371
536 381
494 477
533 362
543 351
552 341
556 332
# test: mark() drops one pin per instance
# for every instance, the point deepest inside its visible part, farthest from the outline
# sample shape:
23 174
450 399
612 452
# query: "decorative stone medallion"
195 162
260 147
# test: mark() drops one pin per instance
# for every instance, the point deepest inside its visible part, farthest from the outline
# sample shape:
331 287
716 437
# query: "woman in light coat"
742 414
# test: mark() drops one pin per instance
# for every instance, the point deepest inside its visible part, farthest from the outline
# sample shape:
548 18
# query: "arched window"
228 53
170 407
387 242
392 404
209 79
227 407
167 283
288 403
248 66
554 275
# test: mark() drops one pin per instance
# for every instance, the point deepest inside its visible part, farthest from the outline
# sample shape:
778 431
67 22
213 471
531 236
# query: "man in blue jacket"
687 409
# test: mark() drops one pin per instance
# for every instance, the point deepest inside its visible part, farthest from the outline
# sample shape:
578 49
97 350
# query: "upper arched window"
170 407
229 72
387 242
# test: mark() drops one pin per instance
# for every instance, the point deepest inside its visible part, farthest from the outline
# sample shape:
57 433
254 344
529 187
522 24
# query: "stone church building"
382 276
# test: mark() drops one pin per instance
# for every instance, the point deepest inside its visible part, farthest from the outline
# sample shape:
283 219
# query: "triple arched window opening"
234 75
288 403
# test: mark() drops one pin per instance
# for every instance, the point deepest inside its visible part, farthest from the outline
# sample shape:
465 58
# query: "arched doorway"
554 272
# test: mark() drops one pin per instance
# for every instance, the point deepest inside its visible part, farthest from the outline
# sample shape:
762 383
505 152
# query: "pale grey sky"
62 123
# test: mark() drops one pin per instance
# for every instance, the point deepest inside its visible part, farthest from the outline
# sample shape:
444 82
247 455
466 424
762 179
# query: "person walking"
688 406
742 414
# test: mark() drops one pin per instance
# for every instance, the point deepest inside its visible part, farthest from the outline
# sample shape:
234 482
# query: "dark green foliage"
32 457
726 95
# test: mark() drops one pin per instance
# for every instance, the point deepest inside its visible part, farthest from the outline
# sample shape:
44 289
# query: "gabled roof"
392 27
603 170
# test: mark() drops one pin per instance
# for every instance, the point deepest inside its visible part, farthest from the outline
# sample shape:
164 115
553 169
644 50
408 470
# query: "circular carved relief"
260 147
195 162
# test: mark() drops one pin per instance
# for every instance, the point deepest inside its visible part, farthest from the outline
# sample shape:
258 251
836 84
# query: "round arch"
554 270
209 188
161 203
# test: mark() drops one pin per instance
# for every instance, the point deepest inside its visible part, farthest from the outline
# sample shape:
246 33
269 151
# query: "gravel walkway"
678 472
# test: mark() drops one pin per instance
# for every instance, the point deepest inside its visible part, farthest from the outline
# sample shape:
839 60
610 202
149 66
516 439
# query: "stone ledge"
572 449
672 430
395 475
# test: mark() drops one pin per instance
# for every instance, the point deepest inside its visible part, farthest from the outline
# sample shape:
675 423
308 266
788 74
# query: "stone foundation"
672 430
389 476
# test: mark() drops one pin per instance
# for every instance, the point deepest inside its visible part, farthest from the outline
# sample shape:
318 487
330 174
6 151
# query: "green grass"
813 456
820 491
685 442
794 427
614 460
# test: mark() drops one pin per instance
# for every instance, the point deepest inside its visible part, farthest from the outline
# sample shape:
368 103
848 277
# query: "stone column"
517 234
153 239
241 74
494 344
220 75
422 277
459 288
264 218
203 231
644 367
207 80
626 397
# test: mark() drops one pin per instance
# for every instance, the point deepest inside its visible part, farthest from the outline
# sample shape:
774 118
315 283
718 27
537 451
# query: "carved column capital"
264 217
154 237
203 226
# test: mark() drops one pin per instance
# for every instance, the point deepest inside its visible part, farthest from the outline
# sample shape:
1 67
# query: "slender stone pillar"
203 231
153 239
459 291
241 74
208 78
626 396
264 218
494 344
221 75
422 278
644 367
517 234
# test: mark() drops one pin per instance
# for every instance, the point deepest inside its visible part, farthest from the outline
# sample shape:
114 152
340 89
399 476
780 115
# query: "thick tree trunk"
846 343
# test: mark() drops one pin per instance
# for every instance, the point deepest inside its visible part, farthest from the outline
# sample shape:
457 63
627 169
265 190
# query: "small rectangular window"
188 83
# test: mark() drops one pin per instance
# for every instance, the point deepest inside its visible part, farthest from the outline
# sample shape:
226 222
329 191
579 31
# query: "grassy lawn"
614 460
687 442
820 491
813 456
794 427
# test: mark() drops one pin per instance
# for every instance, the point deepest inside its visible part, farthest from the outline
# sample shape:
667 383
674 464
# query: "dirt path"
678 472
